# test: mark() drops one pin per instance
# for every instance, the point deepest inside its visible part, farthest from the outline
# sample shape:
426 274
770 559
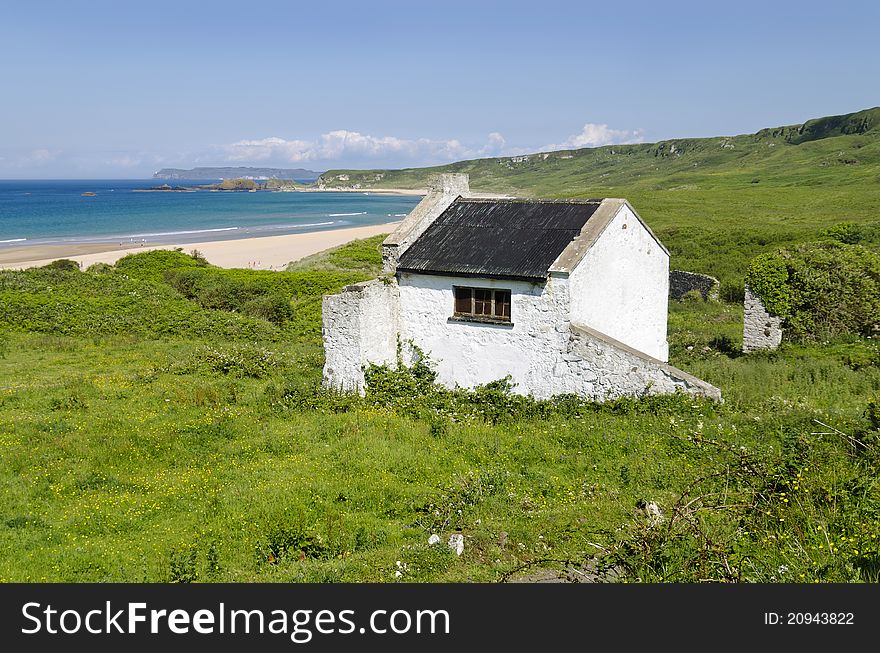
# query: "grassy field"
161 420
715 202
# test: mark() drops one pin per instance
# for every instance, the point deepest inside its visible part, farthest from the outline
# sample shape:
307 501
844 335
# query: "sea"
119 211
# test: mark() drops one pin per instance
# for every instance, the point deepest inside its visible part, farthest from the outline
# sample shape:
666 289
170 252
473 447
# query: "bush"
100 268
873 414
356 256
767 277
278 297
849 233
273 307
63 265
287 534
821 290
150 266
692 297
76 303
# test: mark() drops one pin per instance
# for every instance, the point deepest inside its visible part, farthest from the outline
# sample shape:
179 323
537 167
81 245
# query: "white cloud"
343 144
593 135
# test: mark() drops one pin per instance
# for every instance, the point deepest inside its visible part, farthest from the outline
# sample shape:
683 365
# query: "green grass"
363 256
132 452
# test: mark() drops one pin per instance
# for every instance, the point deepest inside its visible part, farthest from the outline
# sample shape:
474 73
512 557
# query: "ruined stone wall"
360 326
761 330
681 283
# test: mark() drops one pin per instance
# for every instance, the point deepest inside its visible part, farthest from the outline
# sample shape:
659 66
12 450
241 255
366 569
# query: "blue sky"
114 89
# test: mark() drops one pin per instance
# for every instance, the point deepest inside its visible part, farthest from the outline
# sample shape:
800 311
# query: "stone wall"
602 368
681 283
360 326
761 330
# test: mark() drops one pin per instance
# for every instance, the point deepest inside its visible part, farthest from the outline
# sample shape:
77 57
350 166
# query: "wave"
14 240
313 224
180 233
397 215
339 215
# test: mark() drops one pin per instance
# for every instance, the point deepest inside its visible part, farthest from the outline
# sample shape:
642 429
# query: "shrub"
412 391
287 534
63 265
692 297
76 303
767 277
733 293
845 232
273 307
150 266
100 268
821 290
356 256
288 299
873 414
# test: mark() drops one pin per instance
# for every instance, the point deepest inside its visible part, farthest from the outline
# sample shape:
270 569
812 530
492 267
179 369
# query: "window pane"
463 303
502 304
482 301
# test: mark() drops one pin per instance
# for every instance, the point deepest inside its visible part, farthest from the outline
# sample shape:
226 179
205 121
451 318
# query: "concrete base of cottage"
362 325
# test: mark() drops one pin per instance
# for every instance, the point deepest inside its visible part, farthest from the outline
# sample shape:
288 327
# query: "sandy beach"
266 253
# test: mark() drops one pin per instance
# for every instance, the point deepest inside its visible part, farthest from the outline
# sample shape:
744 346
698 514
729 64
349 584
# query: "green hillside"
836 149
715 202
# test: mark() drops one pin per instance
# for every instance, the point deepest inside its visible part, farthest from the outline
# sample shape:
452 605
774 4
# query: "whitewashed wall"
473 353
360 326
621 287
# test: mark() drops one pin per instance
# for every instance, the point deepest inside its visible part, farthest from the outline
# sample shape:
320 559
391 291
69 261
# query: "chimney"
443 190
451 183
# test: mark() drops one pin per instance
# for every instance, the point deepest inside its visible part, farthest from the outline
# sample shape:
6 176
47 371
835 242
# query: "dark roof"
518 239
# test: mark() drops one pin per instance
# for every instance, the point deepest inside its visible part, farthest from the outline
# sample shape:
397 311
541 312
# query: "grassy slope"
715 202
148 456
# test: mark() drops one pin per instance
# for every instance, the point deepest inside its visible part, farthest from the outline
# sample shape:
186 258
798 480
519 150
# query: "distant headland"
247 184
219 173
239 184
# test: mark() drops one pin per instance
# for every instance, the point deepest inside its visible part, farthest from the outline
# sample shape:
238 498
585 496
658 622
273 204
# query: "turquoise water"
56 212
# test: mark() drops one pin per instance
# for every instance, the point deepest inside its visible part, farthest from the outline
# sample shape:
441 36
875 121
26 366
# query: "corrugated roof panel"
498 238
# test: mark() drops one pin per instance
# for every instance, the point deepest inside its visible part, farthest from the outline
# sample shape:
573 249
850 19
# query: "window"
482 304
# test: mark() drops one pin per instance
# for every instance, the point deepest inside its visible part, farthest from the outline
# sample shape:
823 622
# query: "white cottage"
563 296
